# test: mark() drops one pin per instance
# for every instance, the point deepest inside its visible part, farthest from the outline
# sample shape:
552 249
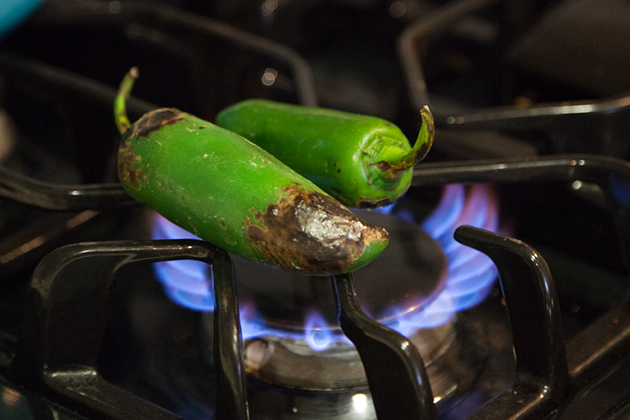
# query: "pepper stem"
120 103
419 150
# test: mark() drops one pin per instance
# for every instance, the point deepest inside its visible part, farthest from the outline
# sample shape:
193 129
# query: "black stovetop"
529 98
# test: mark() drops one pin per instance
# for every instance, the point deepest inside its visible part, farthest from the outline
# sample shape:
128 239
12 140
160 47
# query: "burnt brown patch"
383 166
126 158
292 187
222 222
389 170
311 232
154 121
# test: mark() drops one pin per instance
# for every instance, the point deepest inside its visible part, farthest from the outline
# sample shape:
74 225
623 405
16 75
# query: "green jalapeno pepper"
362 161
230 192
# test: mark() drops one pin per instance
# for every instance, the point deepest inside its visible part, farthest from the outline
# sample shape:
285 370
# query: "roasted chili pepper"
230 192
362 161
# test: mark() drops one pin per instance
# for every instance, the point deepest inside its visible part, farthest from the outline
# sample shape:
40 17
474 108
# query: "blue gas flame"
471 274
316 332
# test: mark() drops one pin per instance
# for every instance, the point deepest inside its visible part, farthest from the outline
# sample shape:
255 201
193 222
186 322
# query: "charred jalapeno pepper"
230 192
362 161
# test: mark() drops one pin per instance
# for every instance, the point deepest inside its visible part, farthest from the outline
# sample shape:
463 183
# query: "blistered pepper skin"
362 161
232 193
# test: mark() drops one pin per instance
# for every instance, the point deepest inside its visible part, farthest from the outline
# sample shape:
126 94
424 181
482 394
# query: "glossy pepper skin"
362 161
232 193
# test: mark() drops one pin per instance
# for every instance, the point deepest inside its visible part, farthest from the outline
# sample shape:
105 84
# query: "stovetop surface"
514 83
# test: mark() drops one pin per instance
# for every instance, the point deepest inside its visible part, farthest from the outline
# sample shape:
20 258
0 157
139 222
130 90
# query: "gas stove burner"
291 318
292 341
289 363
451 372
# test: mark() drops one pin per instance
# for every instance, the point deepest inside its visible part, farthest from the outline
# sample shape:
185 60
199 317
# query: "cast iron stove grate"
69 294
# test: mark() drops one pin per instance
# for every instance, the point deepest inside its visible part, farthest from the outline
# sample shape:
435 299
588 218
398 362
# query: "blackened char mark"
153 121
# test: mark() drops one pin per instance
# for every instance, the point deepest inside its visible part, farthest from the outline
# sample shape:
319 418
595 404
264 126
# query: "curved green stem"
424 141
120 103
419 150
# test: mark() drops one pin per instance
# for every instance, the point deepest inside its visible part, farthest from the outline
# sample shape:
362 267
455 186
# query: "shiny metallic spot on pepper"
311 232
